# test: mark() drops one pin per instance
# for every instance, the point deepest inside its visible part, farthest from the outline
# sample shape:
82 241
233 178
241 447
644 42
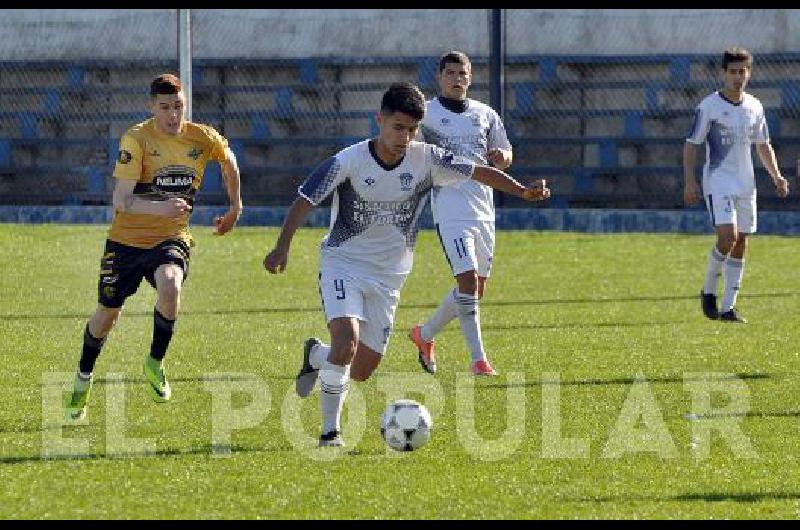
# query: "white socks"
333 381
447 311
715 261
469 317
734 270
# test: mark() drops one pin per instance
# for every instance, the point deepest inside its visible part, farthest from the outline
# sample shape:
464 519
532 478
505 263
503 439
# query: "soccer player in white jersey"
464 213
729 121
379 188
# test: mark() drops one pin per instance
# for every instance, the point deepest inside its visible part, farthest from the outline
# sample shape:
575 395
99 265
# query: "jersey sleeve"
218 145
447 168
700 125
129 159
761 130
498 139
323 180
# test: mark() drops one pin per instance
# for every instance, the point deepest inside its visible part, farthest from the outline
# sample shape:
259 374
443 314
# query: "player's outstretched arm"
767 155
124 200
230 174
494 178
275 260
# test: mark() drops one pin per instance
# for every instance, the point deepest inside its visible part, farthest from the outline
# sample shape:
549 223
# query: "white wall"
150 33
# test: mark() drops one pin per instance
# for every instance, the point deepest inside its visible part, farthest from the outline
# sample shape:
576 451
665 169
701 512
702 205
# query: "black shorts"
123 267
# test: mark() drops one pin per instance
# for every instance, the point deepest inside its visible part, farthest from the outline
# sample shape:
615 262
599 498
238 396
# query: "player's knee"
726 242
468 282
342 351
170 290
104 320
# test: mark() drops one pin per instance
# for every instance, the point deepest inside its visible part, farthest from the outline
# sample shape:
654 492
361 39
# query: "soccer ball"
406 425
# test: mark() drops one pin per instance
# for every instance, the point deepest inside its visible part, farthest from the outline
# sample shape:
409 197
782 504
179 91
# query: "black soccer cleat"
307 376
709 305
331 439
732 316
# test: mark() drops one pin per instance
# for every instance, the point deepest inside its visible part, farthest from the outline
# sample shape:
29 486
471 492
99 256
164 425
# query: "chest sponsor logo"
174 179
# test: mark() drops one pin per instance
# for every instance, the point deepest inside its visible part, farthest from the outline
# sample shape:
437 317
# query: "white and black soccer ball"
406 425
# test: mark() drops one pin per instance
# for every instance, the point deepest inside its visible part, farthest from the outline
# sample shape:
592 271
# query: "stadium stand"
606 130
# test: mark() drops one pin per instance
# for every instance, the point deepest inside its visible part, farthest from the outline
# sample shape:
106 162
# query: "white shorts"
738 210
468 245
371 301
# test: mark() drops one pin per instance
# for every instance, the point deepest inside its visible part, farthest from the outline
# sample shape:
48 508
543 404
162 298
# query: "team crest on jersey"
125 157
405 181
476 121
445 121
194 153
369 181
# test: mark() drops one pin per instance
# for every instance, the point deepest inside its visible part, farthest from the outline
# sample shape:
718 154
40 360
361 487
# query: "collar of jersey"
729 101
454 105
384 165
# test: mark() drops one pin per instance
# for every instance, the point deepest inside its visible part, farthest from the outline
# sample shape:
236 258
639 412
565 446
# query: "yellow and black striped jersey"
163 166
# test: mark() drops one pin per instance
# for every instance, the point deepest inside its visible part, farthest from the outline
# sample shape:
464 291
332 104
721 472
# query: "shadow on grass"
205 450
582 325
744 414
632 380
208 450
100 380
699 497
316 308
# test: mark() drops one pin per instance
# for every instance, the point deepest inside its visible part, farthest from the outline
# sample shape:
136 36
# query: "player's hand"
691 193
275 261
175 207
536 191
498 158
225 223
782 185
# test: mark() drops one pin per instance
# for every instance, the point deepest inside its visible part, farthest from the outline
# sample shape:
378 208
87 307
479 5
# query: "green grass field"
614 318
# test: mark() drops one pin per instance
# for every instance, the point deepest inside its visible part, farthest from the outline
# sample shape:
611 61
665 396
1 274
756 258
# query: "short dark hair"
736 55
165 84
454 57
405 98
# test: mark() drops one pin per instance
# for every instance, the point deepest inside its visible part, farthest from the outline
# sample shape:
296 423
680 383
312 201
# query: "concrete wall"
646 31
150 33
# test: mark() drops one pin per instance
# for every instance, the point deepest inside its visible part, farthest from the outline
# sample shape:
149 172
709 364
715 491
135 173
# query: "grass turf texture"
615 318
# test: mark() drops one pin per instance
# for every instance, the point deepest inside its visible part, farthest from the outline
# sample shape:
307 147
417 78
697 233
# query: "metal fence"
604 124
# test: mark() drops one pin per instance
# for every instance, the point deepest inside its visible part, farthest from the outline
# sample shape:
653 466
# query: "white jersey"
470 134
729 130
375 208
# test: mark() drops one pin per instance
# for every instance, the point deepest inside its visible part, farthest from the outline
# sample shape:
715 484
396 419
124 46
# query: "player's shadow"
626 381
579 325
696 497
747 414
204 450
199 379
428 305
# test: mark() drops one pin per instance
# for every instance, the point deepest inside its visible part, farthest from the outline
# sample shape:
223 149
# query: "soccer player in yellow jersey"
160 168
